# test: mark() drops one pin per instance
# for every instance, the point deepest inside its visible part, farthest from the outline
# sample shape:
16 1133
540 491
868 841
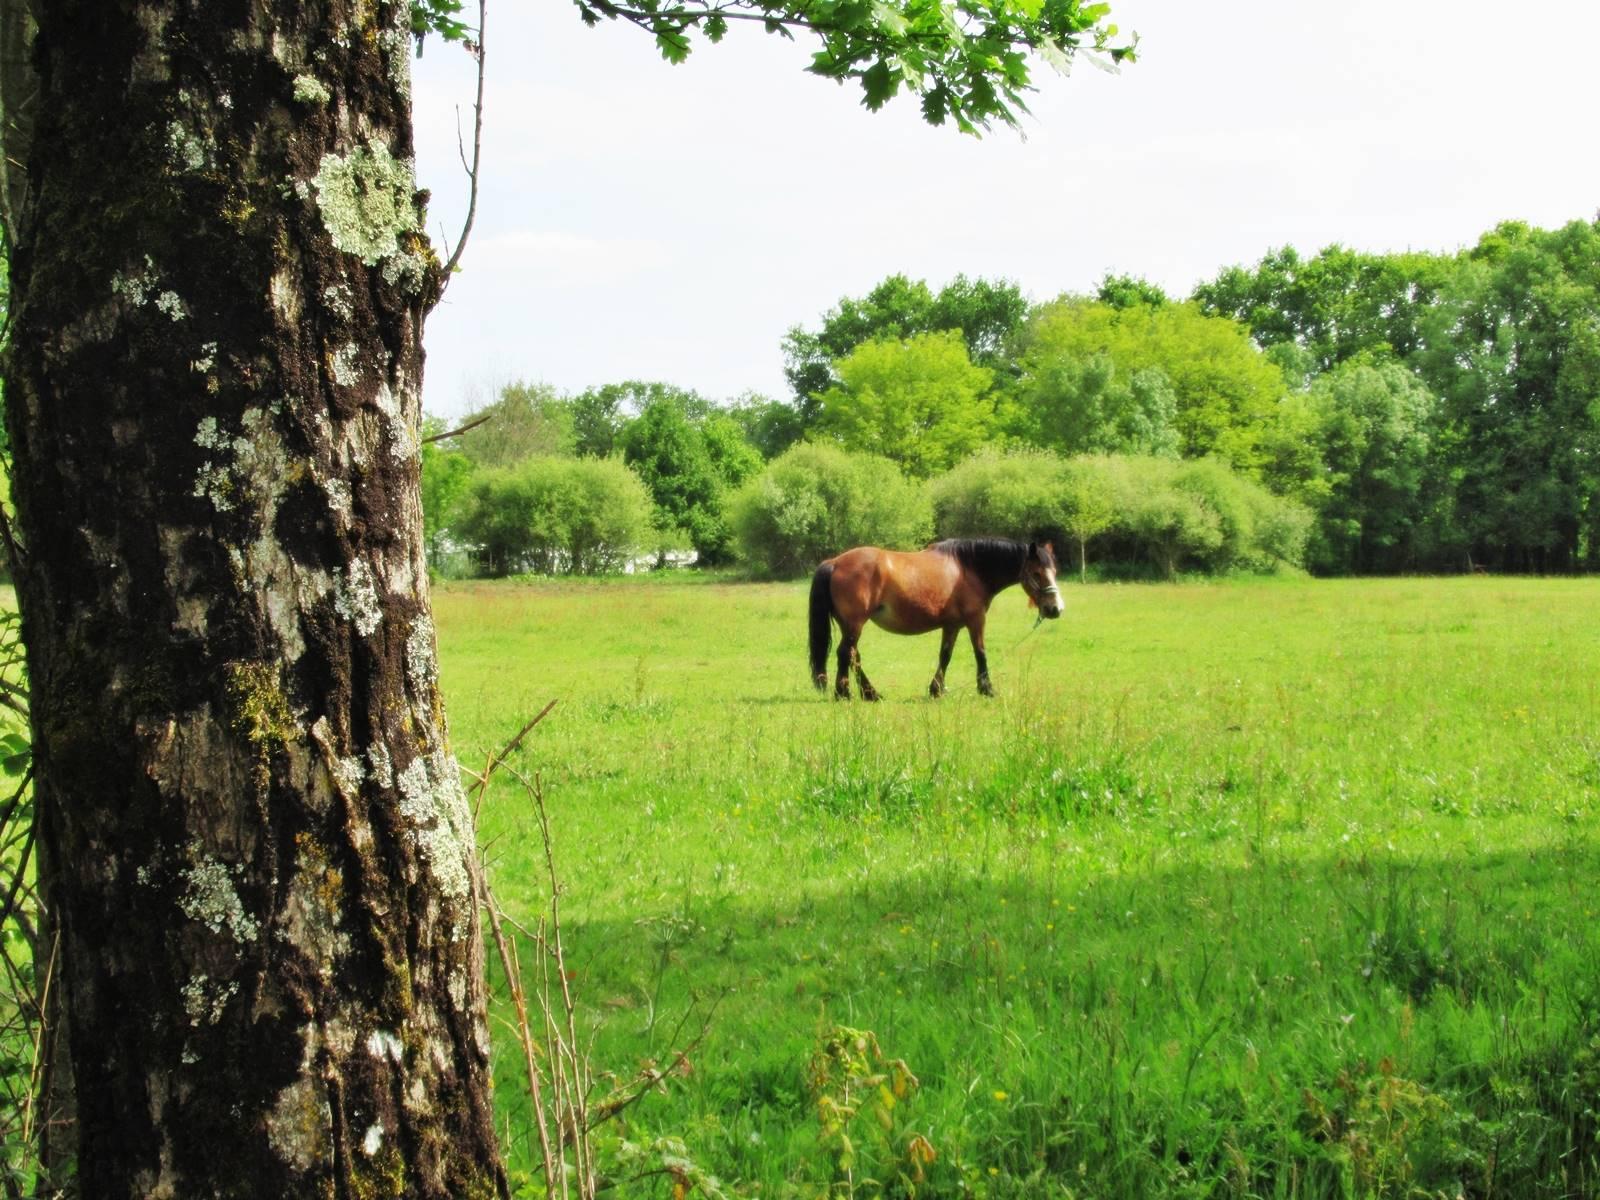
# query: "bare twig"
473 424
479 52
561 1084
39 1059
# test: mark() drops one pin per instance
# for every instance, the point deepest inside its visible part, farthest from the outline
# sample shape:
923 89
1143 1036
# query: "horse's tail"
821 624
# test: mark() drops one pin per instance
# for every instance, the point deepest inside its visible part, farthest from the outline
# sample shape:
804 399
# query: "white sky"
638 220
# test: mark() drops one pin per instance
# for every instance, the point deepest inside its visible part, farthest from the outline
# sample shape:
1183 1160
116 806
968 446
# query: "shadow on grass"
1360 1025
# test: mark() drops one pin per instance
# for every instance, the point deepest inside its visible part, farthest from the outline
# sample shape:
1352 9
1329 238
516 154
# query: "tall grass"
1267 889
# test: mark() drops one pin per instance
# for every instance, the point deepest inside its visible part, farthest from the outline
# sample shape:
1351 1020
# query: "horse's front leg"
947 645
975 632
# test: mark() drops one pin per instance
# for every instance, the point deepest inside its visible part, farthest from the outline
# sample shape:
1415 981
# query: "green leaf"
673 44
879 84
716 27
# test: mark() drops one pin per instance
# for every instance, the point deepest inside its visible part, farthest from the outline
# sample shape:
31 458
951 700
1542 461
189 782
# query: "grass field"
1238 889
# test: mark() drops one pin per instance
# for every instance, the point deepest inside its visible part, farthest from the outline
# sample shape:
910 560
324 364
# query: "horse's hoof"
935 690
870 694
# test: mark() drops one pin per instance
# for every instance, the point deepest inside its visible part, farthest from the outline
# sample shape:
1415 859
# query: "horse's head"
1039 578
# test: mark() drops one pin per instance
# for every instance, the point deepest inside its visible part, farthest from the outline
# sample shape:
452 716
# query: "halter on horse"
947 587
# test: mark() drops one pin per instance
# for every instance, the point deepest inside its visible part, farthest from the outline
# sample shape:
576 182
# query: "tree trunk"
253 837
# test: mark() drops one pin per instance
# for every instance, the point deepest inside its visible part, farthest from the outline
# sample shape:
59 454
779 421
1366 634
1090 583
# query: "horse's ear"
1050 549
1033 550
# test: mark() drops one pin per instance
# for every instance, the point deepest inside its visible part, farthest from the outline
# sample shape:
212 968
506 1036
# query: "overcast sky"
643 221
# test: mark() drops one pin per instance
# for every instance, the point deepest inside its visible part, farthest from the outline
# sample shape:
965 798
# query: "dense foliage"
815 500
1170 514
549 515
1352 413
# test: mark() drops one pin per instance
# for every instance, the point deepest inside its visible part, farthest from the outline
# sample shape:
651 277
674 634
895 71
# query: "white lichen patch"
367 201
308 89
249 467
170 303
340 300
373 1141
395 42
403 444
344 365
339 501
205 1000
406 269
422 669
300 1122
285 296
207 359
186 148
457 988
383 1044
435 808
355 598
136 287
209 898
349 773
382 765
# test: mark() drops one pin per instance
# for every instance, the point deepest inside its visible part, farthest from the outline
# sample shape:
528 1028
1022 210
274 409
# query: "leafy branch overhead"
967 59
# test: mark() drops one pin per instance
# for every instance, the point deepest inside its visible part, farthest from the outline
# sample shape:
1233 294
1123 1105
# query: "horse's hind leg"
850 659
868 692
849 635
947 645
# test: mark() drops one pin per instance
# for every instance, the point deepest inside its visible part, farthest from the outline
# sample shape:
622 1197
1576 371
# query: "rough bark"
253 837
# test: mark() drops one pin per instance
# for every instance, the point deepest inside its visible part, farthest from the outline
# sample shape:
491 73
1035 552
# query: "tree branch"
439 437
479 52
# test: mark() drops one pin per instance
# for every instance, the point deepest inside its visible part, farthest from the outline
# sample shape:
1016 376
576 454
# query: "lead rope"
1037 621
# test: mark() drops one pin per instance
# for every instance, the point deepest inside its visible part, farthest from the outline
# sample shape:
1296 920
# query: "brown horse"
947 587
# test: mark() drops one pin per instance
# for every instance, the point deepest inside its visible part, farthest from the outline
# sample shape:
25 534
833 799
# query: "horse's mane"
995 561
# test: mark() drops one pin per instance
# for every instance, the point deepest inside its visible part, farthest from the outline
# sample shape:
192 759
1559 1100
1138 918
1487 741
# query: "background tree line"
1349 412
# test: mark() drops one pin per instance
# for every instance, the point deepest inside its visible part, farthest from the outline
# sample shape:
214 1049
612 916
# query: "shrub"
1134 509
556 516
814 501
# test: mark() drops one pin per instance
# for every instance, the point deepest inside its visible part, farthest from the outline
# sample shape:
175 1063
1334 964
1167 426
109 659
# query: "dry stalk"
560 1080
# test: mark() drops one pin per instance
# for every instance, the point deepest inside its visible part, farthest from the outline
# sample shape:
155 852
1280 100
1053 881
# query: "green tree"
771 426
1226 392
252 833
689 456
1129 291
1086 406
527 420
920 402
986 314
1088 509
1374 430
1335 305
556 516
446 474
597 416
1513 351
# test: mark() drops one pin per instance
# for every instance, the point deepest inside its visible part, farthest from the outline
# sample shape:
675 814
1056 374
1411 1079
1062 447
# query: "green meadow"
1282 888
